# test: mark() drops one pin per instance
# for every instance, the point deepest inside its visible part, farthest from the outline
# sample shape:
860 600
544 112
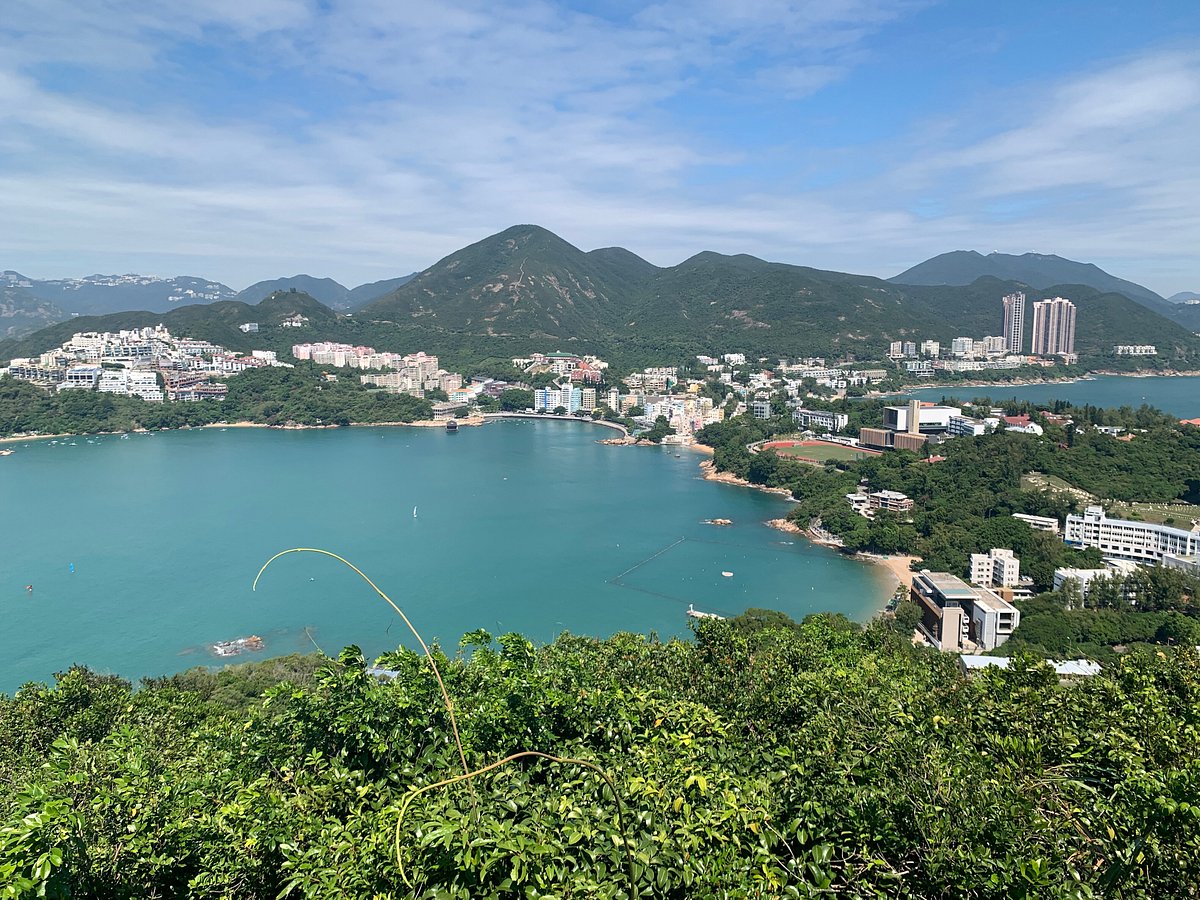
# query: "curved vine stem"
467 776
428 654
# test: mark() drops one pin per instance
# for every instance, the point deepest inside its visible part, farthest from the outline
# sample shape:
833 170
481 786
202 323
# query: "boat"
452 424
414 512
727 574
697 614
237 645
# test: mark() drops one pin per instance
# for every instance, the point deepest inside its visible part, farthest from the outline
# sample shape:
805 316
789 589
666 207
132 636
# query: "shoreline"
1032 382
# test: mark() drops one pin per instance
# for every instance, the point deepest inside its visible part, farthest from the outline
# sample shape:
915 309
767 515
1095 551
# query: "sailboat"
414 512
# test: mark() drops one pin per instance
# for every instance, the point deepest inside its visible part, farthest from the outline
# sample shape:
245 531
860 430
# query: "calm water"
1178 396
142 551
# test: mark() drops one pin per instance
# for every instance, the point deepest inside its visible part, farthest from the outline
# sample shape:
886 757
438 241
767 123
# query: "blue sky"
360 139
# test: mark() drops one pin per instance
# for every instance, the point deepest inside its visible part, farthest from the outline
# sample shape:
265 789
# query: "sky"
362 139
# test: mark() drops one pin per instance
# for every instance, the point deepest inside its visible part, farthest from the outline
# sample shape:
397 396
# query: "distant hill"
526 288
100 294
529 283
1184 297
523 281
365 293
22 313
326 290
1037 270
216 322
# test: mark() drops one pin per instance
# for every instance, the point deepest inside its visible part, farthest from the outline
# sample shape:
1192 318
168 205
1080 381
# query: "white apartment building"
1054 327
1140 542
962 346
931 348
998 567
823 418
1135 350
1014 322
1038 523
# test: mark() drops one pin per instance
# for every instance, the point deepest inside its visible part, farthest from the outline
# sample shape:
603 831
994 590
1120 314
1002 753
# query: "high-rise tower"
1014 322
1053 327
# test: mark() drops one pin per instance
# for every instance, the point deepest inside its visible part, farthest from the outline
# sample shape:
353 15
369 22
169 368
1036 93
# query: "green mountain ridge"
526 289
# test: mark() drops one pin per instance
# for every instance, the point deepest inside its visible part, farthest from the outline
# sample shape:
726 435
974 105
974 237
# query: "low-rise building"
1038 523
1067 670
1142 542
820 418
999 567
957 616
890 501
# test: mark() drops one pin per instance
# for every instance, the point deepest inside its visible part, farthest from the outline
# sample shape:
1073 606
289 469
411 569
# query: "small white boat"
727 574
696 614
414 512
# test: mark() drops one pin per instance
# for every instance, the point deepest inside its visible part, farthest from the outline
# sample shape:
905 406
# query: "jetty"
697 614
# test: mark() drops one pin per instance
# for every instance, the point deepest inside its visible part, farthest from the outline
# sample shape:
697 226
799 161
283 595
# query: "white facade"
1123 539
998 567
1053 327
1014 322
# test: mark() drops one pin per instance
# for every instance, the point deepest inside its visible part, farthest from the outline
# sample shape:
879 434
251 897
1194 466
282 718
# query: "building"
931 348
1067 670
1135 350
1038 523
1141 542
875 437
890 501
80 377
957 616
965 426
1054 327
996 568
820 418
552 398
1085 579
896 349
962 346
248 328
761 408
1014 322
919 418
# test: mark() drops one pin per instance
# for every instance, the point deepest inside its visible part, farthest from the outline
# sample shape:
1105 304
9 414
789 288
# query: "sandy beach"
897 565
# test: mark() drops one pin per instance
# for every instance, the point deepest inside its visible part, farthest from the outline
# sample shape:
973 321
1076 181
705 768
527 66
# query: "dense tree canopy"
764 759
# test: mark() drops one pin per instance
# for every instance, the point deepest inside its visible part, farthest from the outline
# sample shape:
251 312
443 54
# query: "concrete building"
820 418
1140 542
931 348
80 377
761 408
962 346
996 568
1067 670
919 418
1085 579
891 501
1038 523
1053 327
965 426
957 616
1014 322
1135 350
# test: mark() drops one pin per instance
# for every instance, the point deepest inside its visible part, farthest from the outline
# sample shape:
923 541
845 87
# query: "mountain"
529 283
365 293
21 312
217 322
100 294
527 289
1184 297
1037 270
326 290
523 281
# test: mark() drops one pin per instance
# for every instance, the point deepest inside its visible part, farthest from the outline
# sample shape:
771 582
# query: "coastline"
709 468
1033 382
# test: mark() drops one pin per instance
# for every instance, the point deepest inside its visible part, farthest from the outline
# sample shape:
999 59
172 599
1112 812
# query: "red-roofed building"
1195 422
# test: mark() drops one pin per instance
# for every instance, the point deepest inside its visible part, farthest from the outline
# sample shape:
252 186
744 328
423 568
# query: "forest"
761 758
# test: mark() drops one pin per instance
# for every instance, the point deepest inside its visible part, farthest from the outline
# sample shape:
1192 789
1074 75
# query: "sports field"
816 451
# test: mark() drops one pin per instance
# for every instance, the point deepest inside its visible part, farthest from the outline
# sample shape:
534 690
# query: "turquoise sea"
1178 395
141 551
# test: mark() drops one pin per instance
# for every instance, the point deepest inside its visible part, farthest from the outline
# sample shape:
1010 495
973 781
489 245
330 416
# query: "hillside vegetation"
527 289
762 759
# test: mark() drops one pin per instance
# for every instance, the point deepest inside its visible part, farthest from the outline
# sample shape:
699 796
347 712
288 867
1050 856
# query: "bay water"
141 551
1178 395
